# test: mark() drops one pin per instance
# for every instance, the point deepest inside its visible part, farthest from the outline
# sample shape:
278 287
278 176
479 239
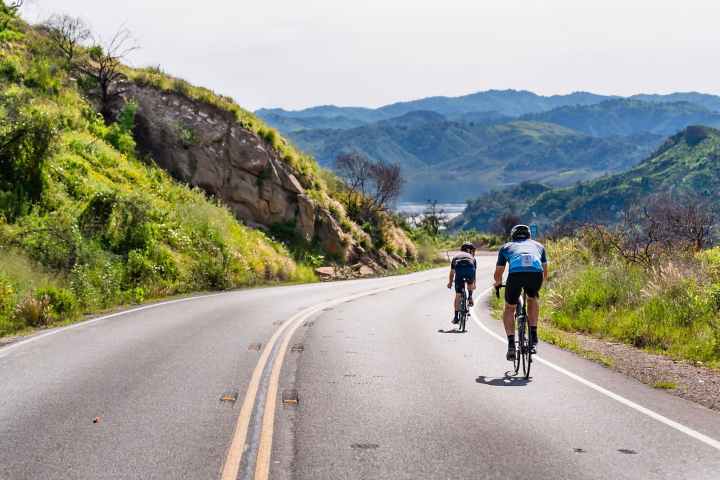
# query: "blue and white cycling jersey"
523 256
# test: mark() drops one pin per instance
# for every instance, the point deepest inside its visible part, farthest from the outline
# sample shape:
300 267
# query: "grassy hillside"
84 223
688 162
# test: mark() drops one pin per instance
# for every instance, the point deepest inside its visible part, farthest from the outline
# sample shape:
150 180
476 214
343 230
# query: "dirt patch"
693 382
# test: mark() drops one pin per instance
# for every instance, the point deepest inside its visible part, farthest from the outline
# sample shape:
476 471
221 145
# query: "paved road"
381 393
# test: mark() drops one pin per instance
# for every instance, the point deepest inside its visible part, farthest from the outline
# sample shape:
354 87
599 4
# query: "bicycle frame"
523 349
464 312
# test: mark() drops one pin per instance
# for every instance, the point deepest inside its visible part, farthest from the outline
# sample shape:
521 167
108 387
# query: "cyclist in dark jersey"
528 269
462 270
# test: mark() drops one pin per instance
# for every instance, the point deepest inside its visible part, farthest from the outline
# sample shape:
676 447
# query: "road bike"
464 312
523 348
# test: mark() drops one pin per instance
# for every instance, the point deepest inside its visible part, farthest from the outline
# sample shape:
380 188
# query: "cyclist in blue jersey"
462 271
527 263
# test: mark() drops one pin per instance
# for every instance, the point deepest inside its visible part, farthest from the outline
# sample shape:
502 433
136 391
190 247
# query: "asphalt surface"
381 393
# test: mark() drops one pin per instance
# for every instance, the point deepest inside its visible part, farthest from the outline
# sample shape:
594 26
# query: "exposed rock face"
205 146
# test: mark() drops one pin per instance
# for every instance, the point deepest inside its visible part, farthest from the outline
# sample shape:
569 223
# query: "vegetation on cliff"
85 224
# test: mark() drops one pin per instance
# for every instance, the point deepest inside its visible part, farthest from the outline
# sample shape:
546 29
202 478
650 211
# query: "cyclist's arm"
543 260
499 271
451 277
545 271
500 267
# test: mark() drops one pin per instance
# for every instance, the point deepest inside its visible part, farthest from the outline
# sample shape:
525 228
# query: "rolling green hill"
498 138
503 103
511 103
688 162
625 117
474 157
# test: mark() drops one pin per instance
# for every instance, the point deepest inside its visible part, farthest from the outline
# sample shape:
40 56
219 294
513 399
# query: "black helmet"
520 232
467 247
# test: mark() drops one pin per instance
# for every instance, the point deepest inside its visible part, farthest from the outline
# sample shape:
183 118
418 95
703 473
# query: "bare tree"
372 186
67 33
387 184
103 64
681 221
666 227
505 223
14 6
433 218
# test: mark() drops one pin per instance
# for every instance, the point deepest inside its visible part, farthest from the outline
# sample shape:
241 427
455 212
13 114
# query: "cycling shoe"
510 356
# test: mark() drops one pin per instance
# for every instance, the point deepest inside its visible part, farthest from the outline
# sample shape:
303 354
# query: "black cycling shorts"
464 273
516 282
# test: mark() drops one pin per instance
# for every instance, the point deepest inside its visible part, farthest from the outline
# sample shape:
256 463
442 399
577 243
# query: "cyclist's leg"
459 285
512 296
471 287
533 285
533 308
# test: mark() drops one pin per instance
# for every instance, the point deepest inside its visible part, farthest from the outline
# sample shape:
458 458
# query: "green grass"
665 385
672 310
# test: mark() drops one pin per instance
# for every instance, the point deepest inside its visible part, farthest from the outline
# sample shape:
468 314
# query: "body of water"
451 210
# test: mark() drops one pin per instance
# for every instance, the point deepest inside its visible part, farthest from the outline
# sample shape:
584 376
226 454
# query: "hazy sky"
299 53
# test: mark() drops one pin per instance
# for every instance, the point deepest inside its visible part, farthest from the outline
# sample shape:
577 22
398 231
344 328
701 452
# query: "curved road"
329 381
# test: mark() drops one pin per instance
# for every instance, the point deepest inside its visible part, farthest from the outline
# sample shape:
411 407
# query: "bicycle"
523 348
464 313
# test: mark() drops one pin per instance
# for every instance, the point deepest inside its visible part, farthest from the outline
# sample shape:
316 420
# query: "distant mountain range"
688 162
453 148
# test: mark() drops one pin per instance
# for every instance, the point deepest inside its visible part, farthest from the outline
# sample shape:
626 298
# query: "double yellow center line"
238 445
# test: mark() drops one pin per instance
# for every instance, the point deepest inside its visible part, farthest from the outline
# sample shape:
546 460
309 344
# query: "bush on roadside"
34 312
62 302
671 308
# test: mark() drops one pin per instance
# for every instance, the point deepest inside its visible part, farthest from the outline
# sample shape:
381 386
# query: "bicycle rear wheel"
522 345
528 361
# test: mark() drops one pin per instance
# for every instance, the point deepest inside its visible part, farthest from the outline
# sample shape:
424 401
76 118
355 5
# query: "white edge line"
619 398
4 351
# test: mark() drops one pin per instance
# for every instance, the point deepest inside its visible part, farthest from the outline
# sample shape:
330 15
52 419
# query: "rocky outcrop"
205 146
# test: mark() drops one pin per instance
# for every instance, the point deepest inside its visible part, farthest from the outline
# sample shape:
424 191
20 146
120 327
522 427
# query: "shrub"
7 296
120 133
53 239
10 68
34 312
182 86
62 302
24 144
43 76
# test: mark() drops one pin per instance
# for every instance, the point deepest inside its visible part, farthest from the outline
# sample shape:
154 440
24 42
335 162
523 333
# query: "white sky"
299 53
